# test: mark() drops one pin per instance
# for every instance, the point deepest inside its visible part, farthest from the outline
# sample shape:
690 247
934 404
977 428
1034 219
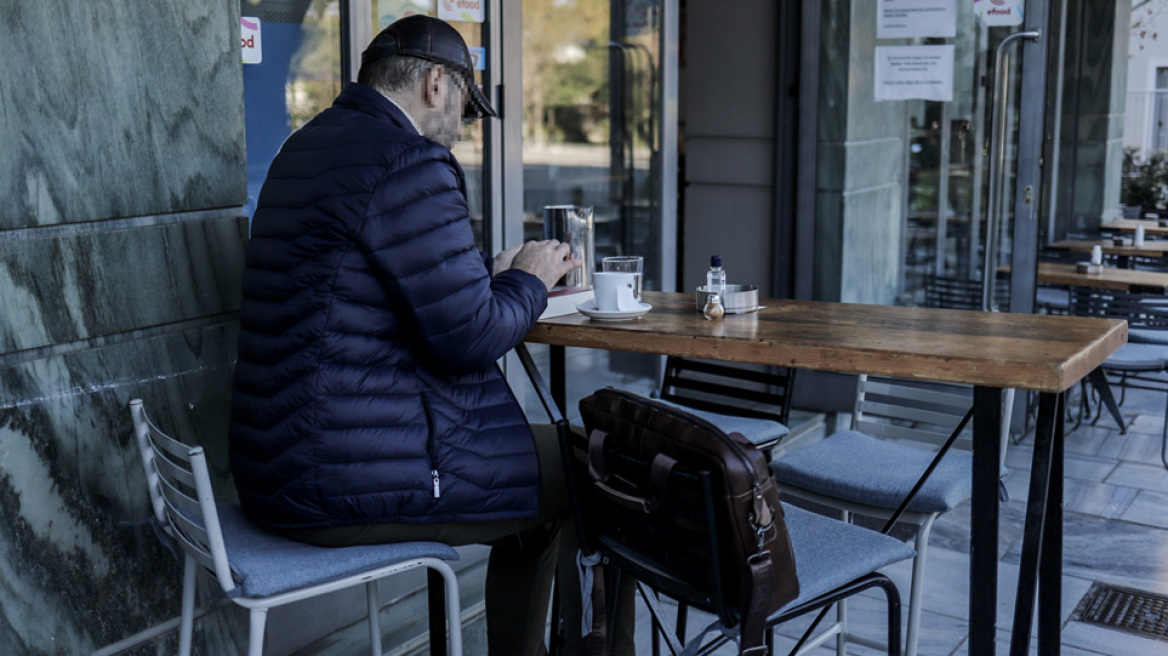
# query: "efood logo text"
473 5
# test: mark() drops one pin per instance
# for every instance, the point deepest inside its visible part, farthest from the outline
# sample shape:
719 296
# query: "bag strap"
647 500
756 593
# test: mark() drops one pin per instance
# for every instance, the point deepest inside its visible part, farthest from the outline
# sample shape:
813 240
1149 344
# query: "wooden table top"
1057 273
1035 352
1151 248
1151 226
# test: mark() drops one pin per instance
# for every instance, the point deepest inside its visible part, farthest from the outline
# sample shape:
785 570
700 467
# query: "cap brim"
479 102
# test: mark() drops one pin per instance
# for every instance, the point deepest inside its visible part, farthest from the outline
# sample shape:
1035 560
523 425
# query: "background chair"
259 569
673 547
1143 361
871 468
959 293
755 403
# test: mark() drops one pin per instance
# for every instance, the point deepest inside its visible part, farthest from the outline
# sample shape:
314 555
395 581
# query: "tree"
555 32
1145 180
1143 20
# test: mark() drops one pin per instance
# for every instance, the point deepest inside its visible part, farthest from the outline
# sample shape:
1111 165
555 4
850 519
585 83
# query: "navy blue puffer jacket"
366 389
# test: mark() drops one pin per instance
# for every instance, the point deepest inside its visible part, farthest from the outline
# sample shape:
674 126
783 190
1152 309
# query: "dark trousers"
523 562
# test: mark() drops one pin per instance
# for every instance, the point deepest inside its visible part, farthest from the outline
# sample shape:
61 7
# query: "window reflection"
298 76
470 150
591 137
590 122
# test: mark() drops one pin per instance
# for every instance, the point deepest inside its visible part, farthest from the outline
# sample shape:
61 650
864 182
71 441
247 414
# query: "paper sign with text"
906 19
914 72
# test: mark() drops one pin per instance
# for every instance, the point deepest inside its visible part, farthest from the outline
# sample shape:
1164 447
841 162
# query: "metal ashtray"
738 299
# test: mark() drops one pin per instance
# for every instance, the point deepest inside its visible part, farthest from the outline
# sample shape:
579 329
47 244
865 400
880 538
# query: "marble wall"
860 177
122 174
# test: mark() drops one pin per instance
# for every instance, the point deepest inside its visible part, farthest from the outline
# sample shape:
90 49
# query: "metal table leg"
1040 569
983 543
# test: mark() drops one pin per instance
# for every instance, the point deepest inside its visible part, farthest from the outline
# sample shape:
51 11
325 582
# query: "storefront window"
291 71
472 26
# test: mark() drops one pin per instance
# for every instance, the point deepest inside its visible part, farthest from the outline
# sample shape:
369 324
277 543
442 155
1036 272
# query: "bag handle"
659 470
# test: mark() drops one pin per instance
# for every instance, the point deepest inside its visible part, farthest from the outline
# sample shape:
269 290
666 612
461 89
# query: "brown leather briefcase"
640 457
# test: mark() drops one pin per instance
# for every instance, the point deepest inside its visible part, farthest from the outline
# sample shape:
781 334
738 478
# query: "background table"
990 351
1150 248
1057 273
1151 226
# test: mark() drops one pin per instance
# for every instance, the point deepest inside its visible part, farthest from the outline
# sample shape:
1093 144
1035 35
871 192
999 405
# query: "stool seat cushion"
1138 357
763 433
862 469
266 563
1147 336
829 553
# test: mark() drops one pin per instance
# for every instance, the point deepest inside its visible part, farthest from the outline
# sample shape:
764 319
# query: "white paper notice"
906 19
914 72
999 12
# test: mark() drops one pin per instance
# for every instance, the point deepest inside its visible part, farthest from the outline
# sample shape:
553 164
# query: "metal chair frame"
902 411
184 506
1143 311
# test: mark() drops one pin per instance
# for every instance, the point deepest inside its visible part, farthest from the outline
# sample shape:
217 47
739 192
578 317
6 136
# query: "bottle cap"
716 261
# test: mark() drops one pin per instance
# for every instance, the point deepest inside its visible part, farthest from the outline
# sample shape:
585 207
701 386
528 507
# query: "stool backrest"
728 389
181 495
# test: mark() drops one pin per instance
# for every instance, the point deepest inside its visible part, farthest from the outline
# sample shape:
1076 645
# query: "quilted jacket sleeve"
418 237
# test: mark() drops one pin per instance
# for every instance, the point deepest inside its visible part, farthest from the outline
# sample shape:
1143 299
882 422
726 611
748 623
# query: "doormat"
1133 611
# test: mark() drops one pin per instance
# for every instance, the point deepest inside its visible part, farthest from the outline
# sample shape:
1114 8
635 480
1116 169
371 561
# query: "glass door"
928 129
963 175
592 134
591 130
471 19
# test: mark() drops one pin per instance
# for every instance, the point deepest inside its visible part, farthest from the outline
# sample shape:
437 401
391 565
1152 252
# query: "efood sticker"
999 12
470 11
249 35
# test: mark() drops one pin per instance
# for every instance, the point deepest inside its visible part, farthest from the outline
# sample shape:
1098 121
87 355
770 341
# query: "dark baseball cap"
434 40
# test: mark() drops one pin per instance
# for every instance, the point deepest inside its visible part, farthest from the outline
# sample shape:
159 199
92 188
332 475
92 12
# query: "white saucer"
588 309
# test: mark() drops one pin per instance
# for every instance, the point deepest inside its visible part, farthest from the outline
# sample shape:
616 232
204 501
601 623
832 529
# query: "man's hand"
503 260
547 260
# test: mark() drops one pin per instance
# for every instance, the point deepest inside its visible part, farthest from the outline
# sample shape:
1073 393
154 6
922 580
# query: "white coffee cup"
614 291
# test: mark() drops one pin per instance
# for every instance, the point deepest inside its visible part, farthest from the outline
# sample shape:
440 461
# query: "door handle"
998 163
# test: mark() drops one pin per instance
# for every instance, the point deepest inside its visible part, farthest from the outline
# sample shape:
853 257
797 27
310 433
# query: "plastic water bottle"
716 276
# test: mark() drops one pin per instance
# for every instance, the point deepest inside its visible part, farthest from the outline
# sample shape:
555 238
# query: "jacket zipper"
430 446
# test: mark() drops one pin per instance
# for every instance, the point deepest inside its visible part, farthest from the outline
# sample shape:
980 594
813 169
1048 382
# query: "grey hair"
394 73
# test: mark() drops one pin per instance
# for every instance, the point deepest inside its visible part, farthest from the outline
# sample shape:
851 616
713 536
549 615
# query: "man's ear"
433 84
